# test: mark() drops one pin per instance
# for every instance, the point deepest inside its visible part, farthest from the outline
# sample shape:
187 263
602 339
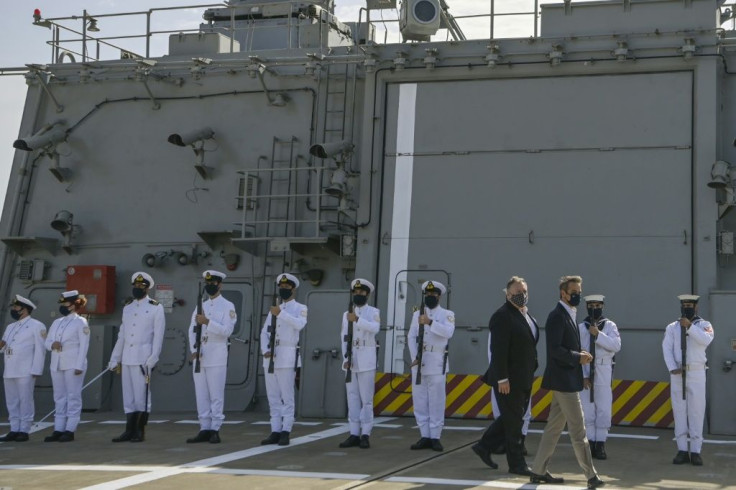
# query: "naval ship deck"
639 458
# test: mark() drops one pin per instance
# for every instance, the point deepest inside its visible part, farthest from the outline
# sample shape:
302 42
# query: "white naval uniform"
280 383
429 397
361 388
72 332
24 357
598 414
138 348
494 404
689 413
209 383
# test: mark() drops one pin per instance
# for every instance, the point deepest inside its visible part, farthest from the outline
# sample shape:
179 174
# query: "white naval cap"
432 286
595 298
287 278
142 277
68 296
365 284
21 301
688 298
209 275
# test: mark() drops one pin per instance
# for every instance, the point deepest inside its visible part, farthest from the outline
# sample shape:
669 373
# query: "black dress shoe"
695 459
202 436
681 457
546 478
521 470
284 438
595 482
53 437
423 443
437 445
365 443
67 436
10 436
21 437
484 456
273 438
351 441
215 437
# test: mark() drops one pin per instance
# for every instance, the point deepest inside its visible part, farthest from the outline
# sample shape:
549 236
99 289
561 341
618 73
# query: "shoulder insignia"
450 318
232 313
708 328
377 318
85 330
43 333
304 312
152 302
414 308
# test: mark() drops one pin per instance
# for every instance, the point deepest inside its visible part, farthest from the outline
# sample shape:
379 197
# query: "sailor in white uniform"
291 318
688 408
138 348
217 321
68 341
361 359
24 355
600 337
429 396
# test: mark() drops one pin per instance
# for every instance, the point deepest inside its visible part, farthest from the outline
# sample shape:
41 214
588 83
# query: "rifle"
683 347
420 344
349 341
272 329
198 330
592 364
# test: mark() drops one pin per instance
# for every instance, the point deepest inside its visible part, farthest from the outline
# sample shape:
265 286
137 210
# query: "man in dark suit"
563 376
511 373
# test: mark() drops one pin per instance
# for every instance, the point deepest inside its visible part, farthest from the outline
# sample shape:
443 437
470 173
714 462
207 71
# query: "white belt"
281 343
603 362
434 347
363 343
699 366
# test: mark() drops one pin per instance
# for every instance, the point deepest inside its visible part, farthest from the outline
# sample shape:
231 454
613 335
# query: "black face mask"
431 302
64 310
211 289
688 312
574 299
15 314
519 299
139 293
595 313
285 293
359 299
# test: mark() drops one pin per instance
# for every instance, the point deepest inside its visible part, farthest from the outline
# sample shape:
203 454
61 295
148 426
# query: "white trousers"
209 387
134 390
360 402
429 404
598 414
67 399
689 413
19 400
527 414
280 391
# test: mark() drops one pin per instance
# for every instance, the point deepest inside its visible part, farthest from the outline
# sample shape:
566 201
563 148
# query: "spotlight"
63 222
330 150
181 258
185 139
720 175
47 136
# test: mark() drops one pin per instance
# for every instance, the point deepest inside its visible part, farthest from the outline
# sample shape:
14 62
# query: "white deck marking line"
43 425
713 441
382 426
306 424
196 422
203 465
76 467
478 483
469 428
292 474
617 436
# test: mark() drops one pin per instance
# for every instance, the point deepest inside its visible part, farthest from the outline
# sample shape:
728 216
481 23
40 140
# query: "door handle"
727 365
316 353
333 353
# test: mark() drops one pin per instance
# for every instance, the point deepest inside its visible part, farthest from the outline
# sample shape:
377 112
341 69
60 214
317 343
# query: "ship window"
425 11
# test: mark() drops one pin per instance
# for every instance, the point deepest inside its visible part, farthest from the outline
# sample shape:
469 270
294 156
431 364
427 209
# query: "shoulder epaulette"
128 301
152 302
